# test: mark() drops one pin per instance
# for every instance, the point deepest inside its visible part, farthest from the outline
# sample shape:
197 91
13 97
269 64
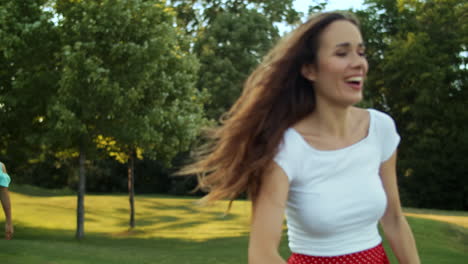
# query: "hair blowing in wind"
275 96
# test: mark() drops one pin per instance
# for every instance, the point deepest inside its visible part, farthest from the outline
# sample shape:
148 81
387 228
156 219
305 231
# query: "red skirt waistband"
375 255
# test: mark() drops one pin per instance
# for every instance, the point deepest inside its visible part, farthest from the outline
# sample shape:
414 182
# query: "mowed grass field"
174 230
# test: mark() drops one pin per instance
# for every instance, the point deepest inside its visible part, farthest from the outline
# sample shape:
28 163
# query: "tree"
229 48
194 15
122 77
230 38
28 77
164 120
417 75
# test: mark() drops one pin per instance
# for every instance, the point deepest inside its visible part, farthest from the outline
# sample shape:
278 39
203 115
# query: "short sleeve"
281 160
388 136
285 158
4 179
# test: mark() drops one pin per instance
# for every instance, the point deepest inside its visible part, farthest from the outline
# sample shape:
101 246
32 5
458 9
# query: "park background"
102 100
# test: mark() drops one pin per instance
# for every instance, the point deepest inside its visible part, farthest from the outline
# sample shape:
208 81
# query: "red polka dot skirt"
374 255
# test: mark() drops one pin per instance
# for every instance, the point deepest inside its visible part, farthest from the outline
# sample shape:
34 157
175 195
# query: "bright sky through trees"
303 5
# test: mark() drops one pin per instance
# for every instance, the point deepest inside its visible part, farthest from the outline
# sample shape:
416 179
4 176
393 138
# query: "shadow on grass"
192 208
31 190
166 222
175 216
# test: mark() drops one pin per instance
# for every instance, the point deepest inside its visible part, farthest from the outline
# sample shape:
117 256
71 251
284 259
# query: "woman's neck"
331 121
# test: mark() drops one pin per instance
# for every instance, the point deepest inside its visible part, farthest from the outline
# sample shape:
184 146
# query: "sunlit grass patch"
454 217
155 217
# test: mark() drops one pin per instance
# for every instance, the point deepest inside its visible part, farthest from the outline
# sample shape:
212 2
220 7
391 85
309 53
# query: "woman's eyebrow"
347 45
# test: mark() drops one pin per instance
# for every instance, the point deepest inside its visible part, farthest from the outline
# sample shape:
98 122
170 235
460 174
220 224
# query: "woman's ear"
309 72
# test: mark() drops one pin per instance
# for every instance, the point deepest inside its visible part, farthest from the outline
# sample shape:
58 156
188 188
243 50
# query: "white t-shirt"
336 197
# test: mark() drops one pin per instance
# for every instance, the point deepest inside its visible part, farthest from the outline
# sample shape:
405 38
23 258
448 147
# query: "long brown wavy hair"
275 96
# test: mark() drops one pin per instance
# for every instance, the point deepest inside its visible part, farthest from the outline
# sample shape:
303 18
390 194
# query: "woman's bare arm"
267 218
5 200
394 223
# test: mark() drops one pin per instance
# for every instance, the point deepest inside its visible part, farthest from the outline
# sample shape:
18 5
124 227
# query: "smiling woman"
298 145
341 65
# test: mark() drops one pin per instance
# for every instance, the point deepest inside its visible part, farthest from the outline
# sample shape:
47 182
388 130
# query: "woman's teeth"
356 79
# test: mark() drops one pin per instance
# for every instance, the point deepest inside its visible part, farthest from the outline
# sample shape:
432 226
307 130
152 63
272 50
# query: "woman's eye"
341 54
362 54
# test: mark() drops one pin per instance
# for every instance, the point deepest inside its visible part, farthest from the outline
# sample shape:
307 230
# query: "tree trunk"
81 193
131 187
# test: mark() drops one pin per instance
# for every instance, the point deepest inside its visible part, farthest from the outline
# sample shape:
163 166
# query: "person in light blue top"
5 200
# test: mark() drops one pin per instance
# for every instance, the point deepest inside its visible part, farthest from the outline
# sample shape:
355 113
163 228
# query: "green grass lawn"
169 230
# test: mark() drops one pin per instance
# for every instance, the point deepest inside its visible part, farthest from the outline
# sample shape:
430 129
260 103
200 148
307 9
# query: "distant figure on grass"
297 144
5 199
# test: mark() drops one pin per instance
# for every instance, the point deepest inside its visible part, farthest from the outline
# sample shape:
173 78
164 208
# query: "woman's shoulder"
378 113
381 118
288 141
383 122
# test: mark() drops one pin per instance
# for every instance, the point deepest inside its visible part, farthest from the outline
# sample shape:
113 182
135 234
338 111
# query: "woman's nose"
358 61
